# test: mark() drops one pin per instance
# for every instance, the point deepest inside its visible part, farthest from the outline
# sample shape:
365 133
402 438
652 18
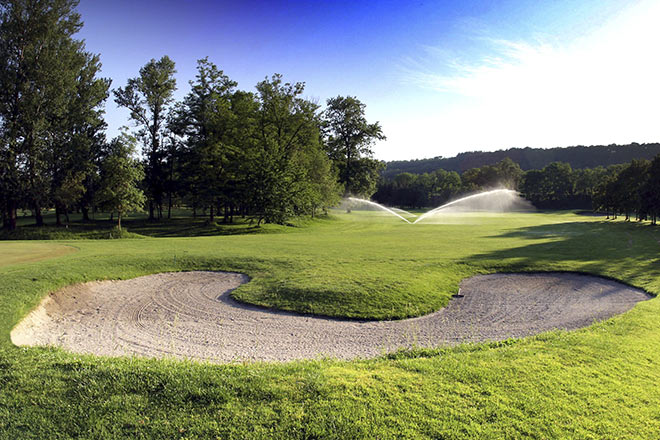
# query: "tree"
204 120
650 191
505 173
77 140
558 180
629 184
476 179
349 138
509 173
447 185
41 69
286 164
148 98
120 176
533 186
606 194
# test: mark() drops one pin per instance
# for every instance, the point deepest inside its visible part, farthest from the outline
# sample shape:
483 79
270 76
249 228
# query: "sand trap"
191 315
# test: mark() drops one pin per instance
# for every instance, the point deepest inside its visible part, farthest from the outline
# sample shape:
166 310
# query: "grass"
14 253
599 382
136 225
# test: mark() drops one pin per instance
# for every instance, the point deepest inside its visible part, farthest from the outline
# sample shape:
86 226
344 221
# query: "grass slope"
600 382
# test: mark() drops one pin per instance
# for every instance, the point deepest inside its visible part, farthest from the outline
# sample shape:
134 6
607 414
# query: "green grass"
136 225
14 253
599 382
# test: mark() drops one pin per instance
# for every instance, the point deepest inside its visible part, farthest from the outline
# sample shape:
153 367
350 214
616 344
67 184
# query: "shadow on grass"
624 251
132 228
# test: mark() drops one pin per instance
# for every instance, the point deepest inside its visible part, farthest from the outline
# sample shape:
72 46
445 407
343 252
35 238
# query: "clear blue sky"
441 76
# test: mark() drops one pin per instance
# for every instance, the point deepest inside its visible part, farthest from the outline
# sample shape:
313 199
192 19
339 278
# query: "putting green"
14 252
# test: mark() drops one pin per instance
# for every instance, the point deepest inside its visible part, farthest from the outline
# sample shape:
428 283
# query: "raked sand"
192 315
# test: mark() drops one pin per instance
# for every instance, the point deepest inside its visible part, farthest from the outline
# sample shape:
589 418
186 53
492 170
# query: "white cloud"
602 88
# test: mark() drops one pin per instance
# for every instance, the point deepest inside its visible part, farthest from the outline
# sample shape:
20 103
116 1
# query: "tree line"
631 189
270 154
440 186
578 157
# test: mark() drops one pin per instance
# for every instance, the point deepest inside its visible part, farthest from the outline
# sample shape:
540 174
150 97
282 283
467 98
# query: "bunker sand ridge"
192 315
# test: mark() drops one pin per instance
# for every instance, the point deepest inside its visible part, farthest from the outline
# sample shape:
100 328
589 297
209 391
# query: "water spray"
379 206
510 199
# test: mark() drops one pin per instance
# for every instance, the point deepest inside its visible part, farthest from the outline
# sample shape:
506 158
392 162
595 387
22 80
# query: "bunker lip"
192 315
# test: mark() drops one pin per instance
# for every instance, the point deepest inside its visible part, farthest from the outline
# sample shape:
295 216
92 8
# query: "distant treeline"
529 158
432 189
622 189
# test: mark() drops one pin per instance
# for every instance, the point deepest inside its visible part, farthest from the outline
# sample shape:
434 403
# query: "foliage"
288 174
418 191
148 98
649 192
50 100
205 123
349 138
438 187
504 174
530 158
120 176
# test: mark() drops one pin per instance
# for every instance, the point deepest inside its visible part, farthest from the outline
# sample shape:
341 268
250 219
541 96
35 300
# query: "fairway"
355 265
23 252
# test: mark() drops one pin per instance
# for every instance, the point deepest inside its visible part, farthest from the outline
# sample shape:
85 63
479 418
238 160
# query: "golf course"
594 382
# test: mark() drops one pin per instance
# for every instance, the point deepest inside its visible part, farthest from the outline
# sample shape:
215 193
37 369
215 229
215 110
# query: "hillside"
530 158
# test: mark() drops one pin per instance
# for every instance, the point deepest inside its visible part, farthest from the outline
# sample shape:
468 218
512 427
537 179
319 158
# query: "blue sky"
441 77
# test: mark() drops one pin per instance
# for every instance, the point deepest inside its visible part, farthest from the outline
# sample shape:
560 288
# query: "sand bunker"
191 315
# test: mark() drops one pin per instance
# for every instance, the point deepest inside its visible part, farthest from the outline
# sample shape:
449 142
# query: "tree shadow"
105 228
624 251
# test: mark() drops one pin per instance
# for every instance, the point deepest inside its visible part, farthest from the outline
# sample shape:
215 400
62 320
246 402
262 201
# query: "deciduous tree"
148 98
121 174
349 139
41 69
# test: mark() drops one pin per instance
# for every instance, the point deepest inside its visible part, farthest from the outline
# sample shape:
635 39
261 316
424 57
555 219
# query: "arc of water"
446 205
377 205
403 211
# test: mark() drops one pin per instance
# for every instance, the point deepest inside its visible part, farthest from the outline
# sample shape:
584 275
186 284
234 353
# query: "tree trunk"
37 215
11 215
169 205
119 221
85 213
211 214
58 215
151 210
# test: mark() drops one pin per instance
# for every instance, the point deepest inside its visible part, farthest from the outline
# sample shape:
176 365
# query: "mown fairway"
16 252
600 382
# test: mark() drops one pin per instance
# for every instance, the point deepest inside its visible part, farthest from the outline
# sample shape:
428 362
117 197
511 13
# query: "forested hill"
529 158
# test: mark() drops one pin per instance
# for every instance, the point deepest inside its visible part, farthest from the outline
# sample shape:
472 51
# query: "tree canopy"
148 98
349 139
